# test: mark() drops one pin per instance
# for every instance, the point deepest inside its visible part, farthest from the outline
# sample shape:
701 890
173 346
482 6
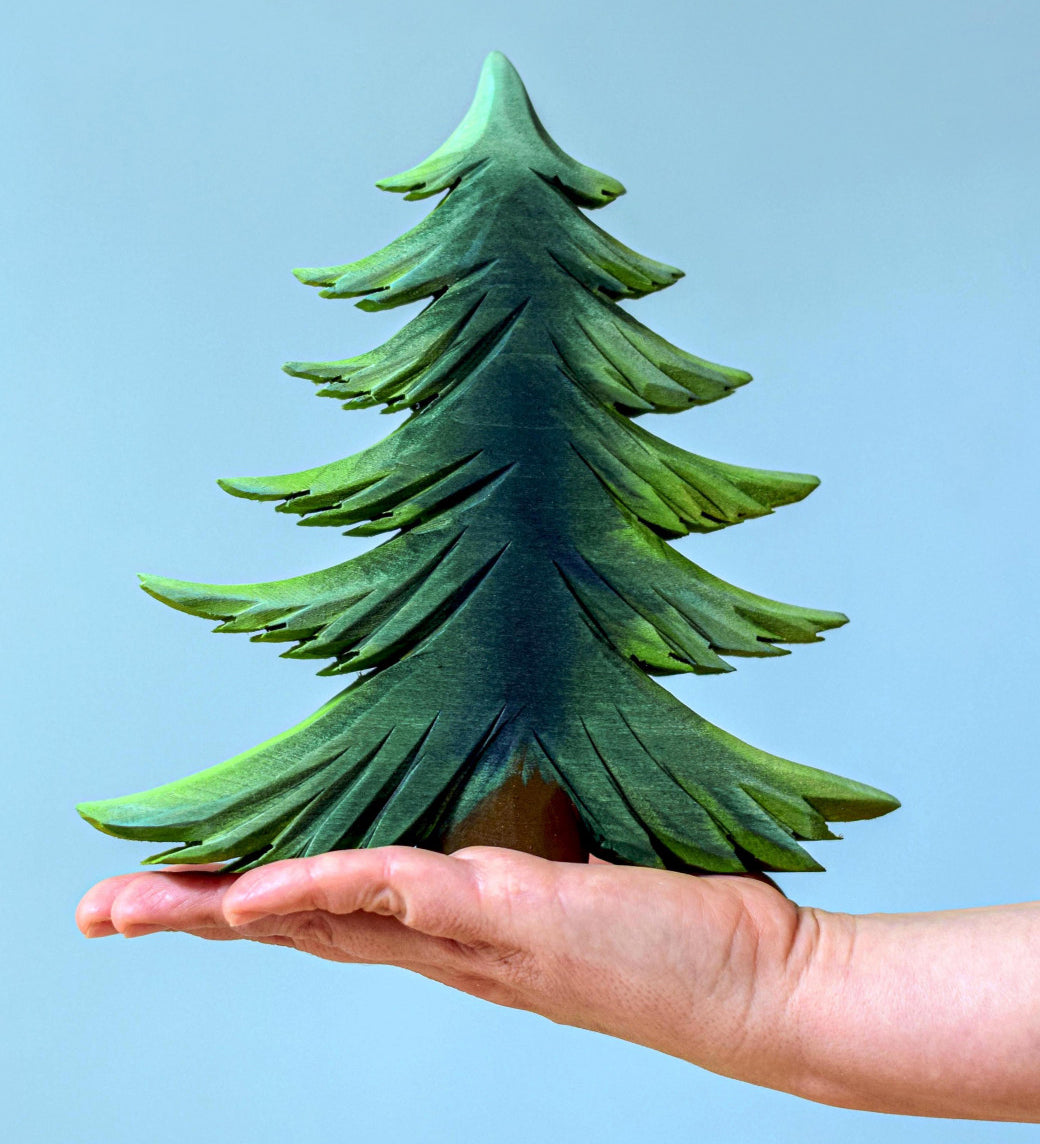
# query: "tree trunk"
528 813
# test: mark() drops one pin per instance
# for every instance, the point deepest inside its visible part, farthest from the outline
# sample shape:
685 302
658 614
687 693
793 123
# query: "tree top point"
502 125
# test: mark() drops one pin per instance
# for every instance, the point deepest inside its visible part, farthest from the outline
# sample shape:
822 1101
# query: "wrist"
817 980
784 1017
759 1019
932 1014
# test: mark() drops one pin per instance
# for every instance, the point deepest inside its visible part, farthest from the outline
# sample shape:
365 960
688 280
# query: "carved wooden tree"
506 633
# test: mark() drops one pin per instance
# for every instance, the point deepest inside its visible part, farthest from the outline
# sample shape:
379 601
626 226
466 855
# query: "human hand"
934 1014
681 964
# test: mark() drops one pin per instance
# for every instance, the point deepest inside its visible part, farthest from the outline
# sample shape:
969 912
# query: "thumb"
429 893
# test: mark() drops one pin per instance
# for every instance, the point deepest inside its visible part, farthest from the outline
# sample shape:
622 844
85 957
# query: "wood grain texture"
507 631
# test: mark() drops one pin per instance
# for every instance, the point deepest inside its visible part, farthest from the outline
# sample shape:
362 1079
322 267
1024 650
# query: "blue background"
852 190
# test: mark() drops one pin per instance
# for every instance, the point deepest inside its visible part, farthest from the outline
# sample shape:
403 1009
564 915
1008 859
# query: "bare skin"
921 1014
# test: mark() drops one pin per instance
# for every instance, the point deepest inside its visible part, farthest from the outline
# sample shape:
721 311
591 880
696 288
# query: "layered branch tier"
458 489
510 624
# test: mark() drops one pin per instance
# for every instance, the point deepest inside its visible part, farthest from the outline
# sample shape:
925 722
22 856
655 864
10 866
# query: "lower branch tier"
433 754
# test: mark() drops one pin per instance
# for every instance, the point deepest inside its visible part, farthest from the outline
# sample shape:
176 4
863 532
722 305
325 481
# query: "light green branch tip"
502 126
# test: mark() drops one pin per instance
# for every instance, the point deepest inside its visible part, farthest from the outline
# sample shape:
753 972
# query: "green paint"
528 592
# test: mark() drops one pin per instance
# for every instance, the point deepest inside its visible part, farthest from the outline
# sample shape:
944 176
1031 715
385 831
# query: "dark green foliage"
514 618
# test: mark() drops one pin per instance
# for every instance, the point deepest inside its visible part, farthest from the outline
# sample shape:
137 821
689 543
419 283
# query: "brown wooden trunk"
526 813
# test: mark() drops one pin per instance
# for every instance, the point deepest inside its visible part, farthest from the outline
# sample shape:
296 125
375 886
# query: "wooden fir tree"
506 633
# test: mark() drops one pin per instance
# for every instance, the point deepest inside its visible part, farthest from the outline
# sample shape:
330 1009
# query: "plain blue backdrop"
852 190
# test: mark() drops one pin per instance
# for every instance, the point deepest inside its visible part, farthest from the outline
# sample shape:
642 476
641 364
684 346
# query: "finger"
160 901
360 937
440 961
93 914
433 894
476 984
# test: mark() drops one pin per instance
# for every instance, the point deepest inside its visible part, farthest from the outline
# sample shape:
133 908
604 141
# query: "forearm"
921 1014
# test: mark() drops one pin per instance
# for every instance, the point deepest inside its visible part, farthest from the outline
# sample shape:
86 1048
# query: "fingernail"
141 931
247 903
99 929
237 915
